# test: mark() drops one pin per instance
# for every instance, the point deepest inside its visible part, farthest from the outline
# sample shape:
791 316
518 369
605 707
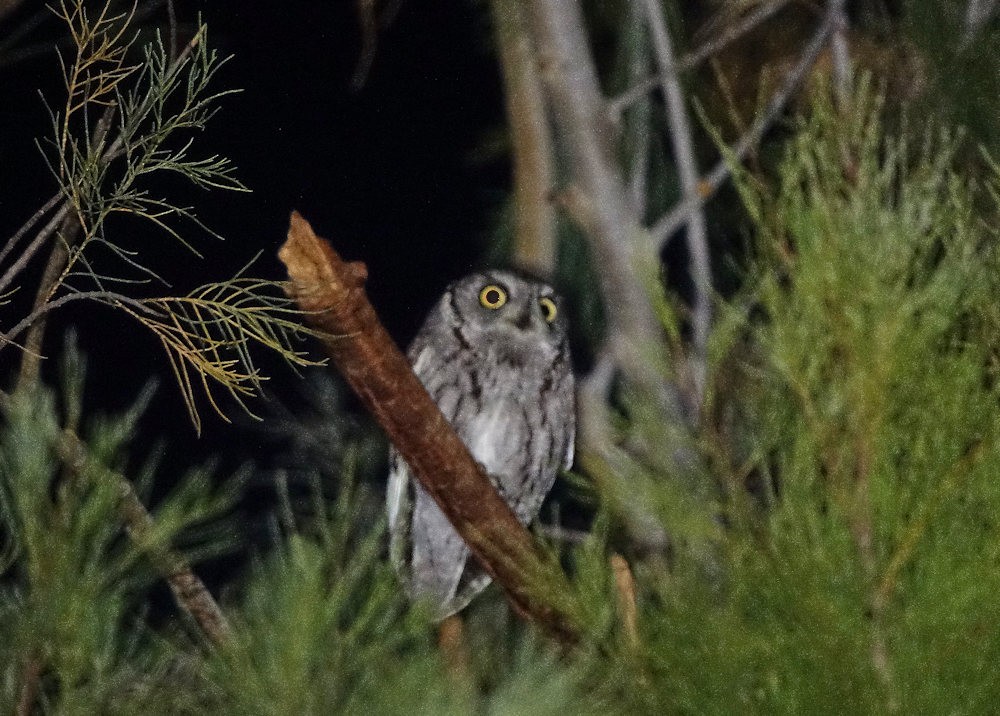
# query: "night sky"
397 174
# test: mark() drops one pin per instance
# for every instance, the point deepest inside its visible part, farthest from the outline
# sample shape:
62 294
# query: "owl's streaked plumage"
494 356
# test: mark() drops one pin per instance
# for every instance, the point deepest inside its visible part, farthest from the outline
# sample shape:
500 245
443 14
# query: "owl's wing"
428 553
439 555
397 497
570 428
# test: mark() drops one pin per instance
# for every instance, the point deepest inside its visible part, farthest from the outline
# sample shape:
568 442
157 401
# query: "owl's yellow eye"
492 296
548 308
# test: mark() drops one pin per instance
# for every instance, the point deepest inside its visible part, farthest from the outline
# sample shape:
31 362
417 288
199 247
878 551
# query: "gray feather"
502 378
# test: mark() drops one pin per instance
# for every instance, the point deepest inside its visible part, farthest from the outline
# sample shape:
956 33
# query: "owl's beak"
523 319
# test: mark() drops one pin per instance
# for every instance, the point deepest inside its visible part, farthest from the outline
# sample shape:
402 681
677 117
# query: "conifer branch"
331 293
189 591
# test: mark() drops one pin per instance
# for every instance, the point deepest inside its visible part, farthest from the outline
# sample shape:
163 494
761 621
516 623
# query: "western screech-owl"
494 356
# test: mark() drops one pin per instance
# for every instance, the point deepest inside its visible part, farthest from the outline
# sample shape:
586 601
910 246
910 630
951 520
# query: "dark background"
393 172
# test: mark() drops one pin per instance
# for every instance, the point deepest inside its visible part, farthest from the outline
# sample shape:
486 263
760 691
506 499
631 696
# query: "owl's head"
502 306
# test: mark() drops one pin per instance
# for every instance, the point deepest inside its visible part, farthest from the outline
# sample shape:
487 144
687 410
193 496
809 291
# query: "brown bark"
331 293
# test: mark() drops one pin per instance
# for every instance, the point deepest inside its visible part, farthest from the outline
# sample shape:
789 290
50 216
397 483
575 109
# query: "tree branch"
600 197
189 591
665 227
687 172
597 200
531 145
694 58
331 292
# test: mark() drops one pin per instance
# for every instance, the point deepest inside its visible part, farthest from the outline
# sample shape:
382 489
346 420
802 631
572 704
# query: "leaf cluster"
124 127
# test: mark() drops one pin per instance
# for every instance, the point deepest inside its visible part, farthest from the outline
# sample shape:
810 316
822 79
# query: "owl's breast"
495 436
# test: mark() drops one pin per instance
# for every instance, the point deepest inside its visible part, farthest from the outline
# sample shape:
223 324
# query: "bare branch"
665 227
687 172
172 31
731 33
600 198
597 200
691 60
28 225
977 14
535 220
31 360
638 122
331 293
41 237
10 337
841 60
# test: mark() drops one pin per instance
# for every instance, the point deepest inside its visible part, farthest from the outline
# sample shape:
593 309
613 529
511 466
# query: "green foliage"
72 588
319 625
122 127
869 403
840 554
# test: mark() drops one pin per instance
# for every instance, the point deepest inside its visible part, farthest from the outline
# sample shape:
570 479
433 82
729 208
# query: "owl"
493 355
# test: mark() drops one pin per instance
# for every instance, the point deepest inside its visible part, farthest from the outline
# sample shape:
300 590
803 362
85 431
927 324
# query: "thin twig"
687 172
51 278
625 590
665 227
10 337
558 533
44 234
841 58
331 293
694 58
172 25
27 226
639 124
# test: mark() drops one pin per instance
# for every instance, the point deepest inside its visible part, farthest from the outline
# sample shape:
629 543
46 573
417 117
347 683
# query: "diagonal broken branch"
331 292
